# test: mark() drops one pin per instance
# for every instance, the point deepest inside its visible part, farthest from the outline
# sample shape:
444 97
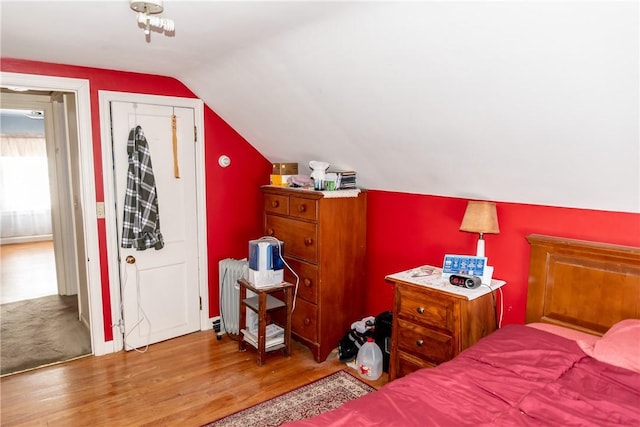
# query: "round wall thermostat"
224 161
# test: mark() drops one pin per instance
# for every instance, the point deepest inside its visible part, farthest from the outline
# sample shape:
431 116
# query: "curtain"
25 203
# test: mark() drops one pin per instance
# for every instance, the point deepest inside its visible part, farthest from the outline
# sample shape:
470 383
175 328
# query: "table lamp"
480 217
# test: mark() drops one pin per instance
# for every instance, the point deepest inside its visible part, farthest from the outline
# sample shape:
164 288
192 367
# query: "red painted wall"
404 230
232 194
408 230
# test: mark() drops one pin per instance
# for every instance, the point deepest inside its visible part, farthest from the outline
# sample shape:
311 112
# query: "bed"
575 362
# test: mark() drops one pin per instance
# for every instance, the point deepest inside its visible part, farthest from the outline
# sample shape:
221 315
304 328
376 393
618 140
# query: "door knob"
130 259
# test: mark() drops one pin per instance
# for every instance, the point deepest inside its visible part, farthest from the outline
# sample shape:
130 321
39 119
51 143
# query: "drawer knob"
307 321
275 203
308 241
307 282
271 232
420 343
302 208
420 310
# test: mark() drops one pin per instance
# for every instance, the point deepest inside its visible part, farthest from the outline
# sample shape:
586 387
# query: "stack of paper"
274 336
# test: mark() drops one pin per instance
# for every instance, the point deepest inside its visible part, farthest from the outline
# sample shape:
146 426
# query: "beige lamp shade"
480 217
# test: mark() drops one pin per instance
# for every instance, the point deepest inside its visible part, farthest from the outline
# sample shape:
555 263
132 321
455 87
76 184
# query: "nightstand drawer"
301 238
303 208
425 343
416 305
276 203
408 364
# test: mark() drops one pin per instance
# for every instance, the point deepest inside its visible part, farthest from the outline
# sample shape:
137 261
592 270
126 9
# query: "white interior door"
159 291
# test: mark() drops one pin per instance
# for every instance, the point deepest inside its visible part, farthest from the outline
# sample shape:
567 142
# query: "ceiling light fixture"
151 7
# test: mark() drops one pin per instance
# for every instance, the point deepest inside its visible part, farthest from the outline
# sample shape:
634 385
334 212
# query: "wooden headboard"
582 285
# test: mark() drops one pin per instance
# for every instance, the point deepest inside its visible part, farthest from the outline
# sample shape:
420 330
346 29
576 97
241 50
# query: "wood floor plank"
186 381
27 270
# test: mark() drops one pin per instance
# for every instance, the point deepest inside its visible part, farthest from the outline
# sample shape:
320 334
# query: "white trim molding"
90 221
105 98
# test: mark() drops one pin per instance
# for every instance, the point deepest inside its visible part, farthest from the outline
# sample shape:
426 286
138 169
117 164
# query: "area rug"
312 399
41 331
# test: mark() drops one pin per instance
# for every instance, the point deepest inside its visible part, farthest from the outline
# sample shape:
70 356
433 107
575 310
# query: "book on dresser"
346 179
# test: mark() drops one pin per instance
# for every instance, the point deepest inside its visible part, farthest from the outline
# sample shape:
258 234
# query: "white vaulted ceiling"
519 101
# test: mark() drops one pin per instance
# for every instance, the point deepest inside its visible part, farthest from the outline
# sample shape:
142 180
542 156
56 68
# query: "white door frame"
81 89
105 97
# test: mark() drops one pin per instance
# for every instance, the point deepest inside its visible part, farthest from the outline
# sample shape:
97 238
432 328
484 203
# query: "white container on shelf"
369 360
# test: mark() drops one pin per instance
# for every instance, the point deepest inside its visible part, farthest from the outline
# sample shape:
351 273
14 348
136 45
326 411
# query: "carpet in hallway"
41 331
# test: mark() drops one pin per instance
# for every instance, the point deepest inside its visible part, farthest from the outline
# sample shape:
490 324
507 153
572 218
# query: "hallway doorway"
85 201
42 236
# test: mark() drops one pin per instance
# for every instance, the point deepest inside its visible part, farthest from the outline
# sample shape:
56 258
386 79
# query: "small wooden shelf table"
263 304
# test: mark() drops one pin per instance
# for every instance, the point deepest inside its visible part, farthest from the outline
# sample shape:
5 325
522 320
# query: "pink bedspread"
517 376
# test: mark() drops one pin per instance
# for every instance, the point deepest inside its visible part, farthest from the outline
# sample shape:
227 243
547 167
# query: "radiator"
230 270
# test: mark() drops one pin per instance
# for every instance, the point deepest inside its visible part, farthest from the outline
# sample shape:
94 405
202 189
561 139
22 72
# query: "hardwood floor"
186 381
27 270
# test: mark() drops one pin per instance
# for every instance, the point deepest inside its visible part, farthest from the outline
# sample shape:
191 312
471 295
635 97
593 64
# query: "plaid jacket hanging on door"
141 223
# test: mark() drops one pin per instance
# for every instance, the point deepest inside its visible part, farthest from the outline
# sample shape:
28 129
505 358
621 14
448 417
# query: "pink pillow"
620 346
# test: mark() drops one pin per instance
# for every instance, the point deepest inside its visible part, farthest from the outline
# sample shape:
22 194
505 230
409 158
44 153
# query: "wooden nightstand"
433 320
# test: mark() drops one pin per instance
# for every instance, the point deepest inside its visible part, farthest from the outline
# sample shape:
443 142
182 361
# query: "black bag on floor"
382 336
350 344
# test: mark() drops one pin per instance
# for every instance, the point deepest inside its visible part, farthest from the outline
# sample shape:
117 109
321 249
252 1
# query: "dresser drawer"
417 306
300 207
308 273
304 320
276 203
300 237
424 342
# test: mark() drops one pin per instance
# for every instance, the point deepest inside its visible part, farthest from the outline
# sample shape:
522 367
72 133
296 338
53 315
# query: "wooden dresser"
433 324
324 243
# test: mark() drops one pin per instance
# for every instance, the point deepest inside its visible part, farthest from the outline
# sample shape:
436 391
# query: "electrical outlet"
100 213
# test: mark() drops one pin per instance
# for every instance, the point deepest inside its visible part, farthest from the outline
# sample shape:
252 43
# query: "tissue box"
280 180
266 278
